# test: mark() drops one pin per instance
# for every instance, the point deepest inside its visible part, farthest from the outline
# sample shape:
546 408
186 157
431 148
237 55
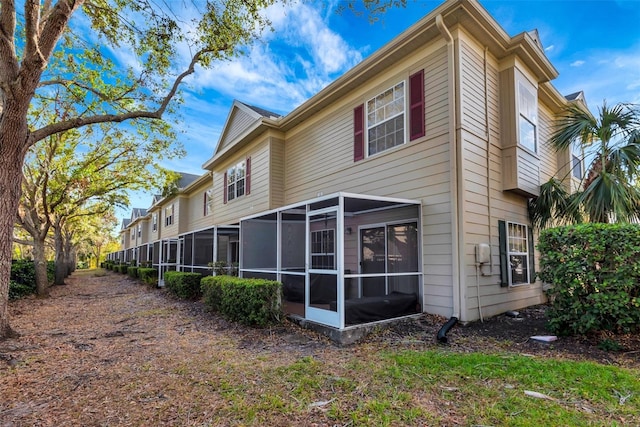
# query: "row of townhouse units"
401 188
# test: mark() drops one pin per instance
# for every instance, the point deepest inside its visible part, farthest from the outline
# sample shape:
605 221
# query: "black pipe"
442 333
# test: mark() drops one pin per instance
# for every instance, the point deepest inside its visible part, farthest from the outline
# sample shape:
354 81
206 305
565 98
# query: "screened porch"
343 259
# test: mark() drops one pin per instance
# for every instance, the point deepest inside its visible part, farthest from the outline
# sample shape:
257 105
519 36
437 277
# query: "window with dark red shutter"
416 105
358 133
224 189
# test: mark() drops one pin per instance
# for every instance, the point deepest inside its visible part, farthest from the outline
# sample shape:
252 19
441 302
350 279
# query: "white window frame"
576 160
139 230
527 115
168 215
154 222
379 113
208 202
325 250
515 245
236 174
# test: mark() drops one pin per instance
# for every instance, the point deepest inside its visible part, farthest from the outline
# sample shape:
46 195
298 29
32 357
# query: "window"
237 180
208 202
139 230
528 120
168 215
385 120
154 222
323 249
576 160
133 233
380 124
516 254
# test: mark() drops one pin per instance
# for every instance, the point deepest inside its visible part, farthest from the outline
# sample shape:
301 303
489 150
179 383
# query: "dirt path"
105 351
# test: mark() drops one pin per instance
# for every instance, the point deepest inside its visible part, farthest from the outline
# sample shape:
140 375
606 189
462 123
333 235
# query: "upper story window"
237 180
154 222
133 233
528 118
168 215
139 230
385 120
208 202
576 160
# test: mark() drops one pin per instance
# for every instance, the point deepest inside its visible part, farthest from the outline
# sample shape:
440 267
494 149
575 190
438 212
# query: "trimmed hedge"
123 268
248 301
149 276
182 284
132 272
594 270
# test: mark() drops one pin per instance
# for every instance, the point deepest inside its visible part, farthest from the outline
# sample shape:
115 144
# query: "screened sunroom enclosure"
194 251
343 259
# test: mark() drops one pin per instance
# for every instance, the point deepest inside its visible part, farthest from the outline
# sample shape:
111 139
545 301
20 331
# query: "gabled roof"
137 213
186 179
575 96
241 120
125 223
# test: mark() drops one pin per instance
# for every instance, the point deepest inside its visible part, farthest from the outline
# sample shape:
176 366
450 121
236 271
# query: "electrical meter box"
483 253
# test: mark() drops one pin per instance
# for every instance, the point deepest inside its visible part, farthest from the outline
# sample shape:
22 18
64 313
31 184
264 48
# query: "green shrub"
20 290
182 284
23 272
149 276
132 272
594 270
51 271
247 301
123 268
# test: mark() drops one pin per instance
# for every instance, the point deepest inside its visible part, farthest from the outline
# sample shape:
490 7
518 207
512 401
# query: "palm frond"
575 124
554 206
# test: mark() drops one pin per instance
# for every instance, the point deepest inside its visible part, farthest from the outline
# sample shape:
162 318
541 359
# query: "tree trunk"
40 260
61 266
11 160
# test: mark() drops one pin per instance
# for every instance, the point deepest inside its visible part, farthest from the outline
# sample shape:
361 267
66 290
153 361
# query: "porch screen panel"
292 246
402 257
203 247
187 250
156 253
259 243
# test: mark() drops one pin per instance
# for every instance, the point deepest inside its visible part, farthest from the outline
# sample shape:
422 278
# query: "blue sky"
594 45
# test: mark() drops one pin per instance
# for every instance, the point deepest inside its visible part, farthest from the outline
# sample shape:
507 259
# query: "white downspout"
455 166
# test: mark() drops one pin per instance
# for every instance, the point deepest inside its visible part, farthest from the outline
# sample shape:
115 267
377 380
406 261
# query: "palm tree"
609 191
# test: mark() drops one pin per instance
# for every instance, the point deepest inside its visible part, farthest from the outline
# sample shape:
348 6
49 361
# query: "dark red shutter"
247 177
224 189
416 105
358 133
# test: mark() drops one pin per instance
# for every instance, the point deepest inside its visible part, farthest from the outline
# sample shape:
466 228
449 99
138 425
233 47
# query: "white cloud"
578 63
549 48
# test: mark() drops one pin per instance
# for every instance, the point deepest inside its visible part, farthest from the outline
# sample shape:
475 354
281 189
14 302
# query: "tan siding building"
419 162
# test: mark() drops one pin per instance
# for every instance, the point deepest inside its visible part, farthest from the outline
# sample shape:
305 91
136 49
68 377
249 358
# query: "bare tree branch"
78 122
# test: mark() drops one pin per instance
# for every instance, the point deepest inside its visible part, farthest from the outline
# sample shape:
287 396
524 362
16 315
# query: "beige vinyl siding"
172 230
154 235
319 160
194 216
481 215
239 121
276 173
258 200
549 165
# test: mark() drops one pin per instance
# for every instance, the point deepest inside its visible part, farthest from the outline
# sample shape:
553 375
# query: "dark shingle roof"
262 111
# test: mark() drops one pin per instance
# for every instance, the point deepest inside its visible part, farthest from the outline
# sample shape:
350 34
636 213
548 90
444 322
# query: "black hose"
442 333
